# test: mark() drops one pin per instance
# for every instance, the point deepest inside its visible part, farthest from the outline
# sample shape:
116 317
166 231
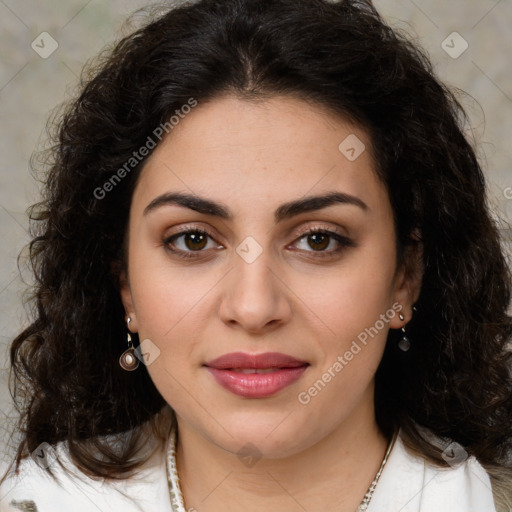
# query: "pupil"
318 239
195 239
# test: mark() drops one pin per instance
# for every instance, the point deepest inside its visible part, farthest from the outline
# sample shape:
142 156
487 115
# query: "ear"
127 299
408 282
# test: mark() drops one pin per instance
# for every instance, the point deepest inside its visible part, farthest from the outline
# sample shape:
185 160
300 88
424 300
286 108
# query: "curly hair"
455 381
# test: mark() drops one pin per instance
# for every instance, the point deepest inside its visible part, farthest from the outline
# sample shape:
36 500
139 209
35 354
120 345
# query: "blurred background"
45 43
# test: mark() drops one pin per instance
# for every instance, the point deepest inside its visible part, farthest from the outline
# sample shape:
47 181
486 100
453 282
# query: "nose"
254 297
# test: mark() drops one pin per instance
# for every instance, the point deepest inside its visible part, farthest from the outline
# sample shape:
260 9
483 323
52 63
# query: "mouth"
256 376
259 371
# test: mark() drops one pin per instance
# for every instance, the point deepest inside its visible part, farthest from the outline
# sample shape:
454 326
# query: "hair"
455 381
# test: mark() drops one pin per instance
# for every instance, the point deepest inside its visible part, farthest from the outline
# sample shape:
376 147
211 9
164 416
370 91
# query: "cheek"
354 305
165 293
351 347
351 343
172 314
351 297
170 307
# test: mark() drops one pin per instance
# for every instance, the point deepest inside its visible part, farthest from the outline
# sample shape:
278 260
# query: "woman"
267 278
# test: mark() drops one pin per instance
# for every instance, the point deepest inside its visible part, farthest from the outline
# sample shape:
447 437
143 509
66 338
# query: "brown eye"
195 241
190 241
324 242
318 241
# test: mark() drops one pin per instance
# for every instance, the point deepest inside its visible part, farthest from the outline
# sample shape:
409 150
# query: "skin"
252 158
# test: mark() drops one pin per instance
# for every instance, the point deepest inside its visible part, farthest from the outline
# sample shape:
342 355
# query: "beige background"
31 85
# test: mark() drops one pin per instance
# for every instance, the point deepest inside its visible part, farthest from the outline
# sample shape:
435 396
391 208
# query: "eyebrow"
283 212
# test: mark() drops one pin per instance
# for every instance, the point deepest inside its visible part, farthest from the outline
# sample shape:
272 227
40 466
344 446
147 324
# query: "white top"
407 484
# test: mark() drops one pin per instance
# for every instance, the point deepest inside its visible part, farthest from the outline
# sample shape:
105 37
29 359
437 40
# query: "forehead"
274 149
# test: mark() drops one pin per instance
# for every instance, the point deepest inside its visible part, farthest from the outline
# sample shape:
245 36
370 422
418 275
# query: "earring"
128 361
404 343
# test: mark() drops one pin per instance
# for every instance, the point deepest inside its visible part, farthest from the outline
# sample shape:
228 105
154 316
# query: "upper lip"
255 361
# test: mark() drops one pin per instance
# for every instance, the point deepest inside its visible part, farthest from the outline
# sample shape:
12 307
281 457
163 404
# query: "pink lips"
256 376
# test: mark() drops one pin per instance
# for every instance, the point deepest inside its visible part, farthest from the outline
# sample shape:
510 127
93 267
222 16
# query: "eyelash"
342 240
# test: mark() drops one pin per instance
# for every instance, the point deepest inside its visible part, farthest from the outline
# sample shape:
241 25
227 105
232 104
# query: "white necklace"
368 496
176 495
172 476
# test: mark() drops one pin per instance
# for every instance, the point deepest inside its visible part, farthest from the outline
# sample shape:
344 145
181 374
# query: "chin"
265 436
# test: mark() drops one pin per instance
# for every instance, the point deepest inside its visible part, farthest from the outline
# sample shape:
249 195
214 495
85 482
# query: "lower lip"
257 385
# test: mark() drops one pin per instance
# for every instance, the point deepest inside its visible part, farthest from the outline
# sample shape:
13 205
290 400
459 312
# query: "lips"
256 375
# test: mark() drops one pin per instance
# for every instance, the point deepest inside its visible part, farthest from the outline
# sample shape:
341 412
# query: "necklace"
368 496
177 496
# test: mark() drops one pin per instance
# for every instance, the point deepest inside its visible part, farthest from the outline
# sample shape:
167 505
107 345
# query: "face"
250 274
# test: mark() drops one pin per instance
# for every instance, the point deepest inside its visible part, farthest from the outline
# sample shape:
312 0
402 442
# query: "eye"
190 241
320 239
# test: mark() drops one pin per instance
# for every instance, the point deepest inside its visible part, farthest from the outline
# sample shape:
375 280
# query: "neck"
332 474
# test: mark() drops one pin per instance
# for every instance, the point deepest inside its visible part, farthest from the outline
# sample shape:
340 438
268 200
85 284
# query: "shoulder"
409 483
33 489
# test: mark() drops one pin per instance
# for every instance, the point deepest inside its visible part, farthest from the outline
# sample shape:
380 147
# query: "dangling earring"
128 361
404 343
